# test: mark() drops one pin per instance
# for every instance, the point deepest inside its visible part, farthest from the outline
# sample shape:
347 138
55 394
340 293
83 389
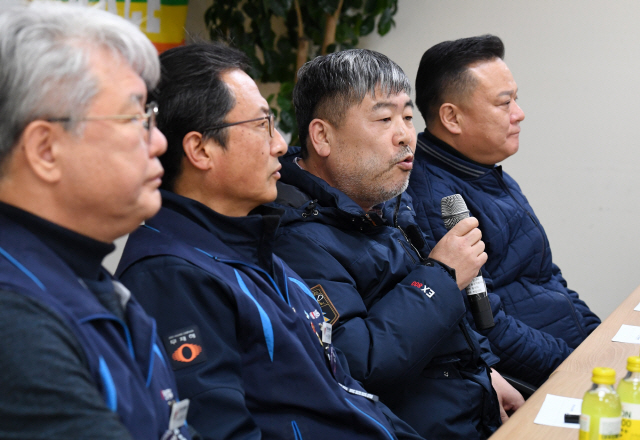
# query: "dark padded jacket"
400 323
125 358
539 321
251 360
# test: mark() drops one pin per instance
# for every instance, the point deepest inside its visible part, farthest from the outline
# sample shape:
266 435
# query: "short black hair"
192 97
444 71
329 85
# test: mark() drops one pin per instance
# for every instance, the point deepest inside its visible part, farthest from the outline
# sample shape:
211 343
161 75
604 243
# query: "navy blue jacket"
400 323
538 319
125 359
255 367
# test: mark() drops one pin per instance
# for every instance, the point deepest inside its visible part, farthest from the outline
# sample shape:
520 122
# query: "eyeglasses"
269 119
148 119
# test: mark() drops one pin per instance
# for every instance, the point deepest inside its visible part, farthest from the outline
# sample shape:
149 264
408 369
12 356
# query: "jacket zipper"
535 222
396 225
380 425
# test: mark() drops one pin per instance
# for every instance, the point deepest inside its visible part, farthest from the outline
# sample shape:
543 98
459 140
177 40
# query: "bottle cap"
633 364
604 376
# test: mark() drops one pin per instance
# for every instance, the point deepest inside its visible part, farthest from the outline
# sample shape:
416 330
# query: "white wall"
577 65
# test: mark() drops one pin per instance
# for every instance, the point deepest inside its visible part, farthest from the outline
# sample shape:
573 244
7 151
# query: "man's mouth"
406 163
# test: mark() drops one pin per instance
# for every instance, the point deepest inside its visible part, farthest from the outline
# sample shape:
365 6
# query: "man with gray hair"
349 231
78 168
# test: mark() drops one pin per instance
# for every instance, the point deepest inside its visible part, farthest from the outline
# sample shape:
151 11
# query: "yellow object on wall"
161 20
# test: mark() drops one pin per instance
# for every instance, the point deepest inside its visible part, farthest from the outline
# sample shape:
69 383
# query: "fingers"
478 250
464 226
503 414
462 248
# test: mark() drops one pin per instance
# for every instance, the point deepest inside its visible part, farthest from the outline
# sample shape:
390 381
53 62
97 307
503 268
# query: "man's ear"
450 117
40 143
320 137
195 150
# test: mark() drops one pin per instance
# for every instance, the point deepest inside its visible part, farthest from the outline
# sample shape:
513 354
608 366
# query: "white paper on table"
628 333
637 309
555 407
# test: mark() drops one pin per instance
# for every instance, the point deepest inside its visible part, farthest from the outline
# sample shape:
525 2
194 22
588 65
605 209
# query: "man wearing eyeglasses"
78 168
244 333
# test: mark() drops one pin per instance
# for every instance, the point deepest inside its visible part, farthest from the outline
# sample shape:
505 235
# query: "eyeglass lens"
150 122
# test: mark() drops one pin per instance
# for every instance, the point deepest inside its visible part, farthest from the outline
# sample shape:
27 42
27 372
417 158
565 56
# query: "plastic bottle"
601 416
629 392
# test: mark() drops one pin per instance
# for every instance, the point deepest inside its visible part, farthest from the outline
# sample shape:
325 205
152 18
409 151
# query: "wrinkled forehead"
380 99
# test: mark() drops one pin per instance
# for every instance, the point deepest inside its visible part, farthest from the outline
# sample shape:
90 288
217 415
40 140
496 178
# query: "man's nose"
278 144
404 135
158 143
518 113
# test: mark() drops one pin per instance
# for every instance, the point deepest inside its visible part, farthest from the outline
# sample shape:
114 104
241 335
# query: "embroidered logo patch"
184 347
329 311
428 291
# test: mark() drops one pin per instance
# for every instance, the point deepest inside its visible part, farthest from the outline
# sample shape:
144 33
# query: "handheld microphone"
455 209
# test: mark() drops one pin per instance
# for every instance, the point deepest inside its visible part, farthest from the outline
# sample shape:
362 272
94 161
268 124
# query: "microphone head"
453 210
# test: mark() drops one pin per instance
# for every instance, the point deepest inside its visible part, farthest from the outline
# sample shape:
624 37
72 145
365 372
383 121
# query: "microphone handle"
479 303
454 209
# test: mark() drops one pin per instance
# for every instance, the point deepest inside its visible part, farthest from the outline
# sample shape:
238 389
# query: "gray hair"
45 51
329 85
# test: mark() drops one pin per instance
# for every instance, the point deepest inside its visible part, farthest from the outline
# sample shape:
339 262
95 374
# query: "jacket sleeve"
161 284
387 342
589 319
485 348
525 353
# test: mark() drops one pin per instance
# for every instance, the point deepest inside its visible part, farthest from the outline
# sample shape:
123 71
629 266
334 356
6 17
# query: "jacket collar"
306 197
82 254
315 187
248 238
433 148
47 273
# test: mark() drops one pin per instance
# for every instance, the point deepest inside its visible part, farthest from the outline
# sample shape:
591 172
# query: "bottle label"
630 421
585 421
609 428
476 286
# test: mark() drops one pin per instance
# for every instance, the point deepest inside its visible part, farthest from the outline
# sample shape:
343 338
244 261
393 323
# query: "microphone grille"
453 210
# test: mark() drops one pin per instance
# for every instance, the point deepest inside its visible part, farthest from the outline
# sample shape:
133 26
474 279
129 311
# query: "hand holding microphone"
463 249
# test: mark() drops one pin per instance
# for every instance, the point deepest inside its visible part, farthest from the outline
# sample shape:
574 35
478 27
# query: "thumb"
464 226
503 414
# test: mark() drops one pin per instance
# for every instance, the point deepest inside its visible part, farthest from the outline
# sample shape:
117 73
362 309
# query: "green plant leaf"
328 6
285 104
286 88
288 120
385 22
368 25
272 51
278 7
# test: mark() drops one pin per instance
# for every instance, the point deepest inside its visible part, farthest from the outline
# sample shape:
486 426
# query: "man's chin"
151 206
